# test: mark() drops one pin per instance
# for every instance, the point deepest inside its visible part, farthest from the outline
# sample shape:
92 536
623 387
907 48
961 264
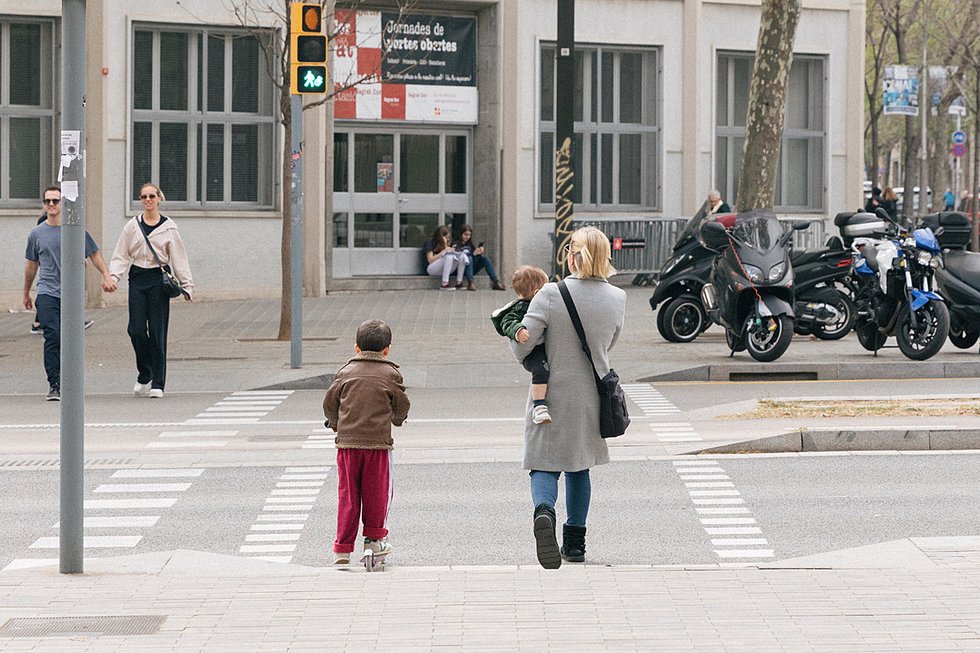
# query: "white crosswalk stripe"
717 497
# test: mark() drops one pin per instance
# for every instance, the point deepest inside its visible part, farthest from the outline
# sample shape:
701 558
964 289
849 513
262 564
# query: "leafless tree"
767 101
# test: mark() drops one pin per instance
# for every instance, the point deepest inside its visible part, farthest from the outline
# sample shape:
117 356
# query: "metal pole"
564 134
296 233
71 529
957 175
924 108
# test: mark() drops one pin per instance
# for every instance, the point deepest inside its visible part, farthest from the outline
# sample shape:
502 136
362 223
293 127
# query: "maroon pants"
362 489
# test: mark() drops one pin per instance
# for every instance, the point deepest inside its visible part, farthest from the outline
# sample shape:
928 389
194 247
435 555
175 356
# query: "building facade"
457 128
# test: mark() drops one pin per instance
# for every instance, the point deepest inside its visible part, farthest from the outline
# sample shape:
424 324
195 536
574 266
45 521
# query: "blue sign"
959 137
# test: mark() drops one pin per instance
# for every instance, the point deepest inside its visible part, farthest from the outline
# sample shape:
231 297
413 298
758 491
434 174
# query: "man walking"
44 255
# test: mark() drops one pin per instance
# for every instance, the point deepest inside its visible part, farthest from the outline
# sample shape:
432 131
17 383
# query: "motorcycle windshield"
693 227
761 232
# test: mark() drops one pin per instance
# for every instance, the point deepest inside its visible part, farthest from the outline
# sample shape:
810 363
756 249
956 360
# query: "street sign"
958 150
959 137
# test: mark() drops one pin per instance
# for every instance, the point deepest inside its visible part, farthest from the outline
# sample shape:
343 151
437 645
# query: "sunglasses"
52 201
148 197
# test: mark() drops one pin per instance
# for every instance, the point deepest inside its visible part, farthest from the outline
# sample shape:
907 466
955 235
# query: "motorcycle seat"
800 257
965 266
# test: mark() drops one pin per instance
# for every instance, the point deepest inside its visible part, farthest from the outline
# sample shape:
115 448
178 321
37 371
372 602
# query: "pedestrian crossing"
243 407
649 399
278 527
320 438
122 515
735 535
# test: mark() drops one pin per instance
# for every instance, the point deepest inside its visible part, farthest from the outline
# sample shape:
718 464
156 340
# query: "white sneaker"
156 393
540 415
141 389
380 547
341 558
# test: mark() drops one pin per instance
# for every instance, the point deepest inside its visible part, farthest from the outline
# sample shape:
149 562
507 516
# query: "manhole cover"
76 626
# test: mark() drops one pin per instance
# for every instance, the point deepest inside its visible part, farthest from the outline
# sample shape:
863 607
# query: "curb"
856 370
871 439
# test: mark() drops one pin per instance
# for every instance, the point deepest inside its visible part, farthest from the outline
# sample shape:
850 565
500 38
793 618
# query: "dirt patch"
771 408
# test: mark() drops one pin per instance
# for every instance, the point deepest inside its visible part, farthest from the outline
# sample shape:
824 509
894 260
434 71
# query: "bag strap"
577 323
139 225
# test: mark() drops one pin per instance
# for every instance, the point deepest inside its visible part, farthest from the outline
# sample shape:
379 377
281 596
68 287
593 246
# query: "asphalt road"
479 514
254 476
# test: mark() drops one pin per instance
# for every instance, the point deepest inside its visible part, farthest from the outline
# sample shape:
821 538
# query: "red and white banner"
407 68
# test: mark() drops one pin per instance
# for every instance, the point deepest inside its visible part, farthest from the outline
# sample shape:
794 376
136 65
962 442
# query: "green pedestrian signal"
311 79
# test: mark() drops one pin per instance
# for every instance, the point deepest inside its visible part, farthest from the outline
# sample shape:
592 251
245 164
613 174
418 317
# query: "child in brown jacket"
366 397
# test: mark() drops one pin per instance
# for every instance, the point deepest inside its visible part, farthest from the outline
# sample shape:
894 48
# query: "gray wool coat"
571 442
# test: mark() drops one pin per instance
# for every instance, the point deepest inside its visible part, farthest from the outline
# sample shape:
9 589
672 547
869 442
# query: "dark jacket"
507 319
365 399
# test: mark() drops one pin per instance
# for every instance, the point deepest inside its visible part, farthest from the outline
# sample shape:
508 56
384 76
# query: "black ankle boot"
544 535
573 543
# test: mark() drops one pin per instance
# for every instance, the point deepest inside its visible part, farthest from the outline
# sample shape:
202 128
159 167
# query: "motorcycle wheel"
869 336
735 343
928 336
684 319
661 326
843 325
766 346
963 337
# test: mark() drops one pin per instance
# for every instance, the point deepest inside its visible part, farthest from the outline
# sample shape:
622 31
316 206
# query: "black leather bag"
613 416
171 287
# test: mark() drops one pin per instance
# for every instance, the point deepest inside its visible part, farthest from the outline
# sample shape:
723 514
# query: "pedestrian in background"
949 200
478 260
874 201
571 443
442 259
44 255
366 397
715 203
889 202
149 305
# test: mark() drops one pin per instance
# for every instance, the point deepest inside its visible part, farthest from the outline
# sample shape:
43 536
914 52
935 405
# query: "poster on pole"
419 68
901 91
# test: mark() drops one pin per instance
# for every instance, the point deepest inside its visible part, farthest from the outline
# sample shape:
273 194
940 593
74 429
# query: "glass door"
391 190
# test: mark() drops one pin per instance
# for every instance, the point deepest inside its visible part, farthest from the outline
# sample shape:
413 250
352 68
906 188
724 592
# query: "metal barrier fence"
640 246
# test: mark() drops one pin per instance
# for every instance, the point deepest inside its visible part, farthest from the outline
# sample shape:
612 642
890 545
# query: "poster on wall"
386 177
417 68
901 91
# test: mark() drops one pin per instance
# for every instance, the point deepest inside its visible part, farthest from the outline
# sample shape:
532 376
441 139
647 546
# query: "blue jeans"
49 315
578 493
477 263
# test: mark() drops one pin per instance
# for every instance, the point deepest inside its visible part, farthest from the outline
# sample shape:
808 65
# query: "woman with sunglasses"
571 443
149 305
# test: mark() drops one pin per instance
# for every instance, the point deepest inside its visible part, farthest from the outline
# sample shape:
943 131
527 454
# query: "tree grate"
82 626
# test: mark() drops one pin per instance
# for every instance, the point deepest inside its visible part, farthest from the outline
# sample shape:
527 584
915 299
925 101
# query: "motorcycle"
894 277
958 278
821 309
678 286
750 289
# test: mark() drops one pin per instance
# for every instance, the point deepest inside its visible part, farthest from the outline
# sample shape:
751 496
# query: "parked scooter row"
740 272
736 256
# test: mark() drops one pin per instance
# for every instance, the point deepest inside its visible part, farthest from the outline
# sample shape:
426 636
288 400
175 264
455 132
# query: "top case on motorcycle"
859 224
955 232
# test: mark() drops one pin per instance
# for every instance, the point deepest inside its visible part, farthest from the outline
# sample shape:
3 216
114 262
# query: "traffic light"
307 49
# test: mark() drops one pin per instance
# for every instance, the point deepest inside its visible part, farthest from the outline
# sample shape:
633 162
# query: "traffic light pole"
72 491
296 232
564 135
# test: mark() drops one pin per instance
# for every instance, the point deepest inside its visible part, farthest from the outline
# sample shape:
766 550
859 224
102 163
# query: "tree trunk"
767 99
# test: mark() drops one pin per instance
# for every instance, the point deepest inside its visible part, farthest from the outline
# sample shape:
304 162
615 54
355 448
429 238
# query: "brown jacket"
365 399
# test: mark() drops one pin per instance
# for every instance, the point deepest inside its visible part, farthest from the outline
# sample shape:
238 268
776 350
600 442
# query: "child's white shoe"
540 415
341 558
379 547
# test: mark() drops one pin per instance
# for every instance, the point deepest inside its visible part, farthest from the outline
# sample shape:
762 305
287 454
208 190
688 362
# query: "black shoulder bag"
613 416
171 287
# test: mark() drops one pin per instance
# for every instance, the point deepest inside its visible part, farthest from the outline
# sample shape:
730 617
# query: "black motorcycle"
681 318
821 309
958 278
750 292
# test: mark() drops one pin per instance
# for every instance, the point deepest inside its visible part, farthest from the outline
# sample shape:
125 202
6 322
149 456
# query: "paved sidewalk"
910 595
